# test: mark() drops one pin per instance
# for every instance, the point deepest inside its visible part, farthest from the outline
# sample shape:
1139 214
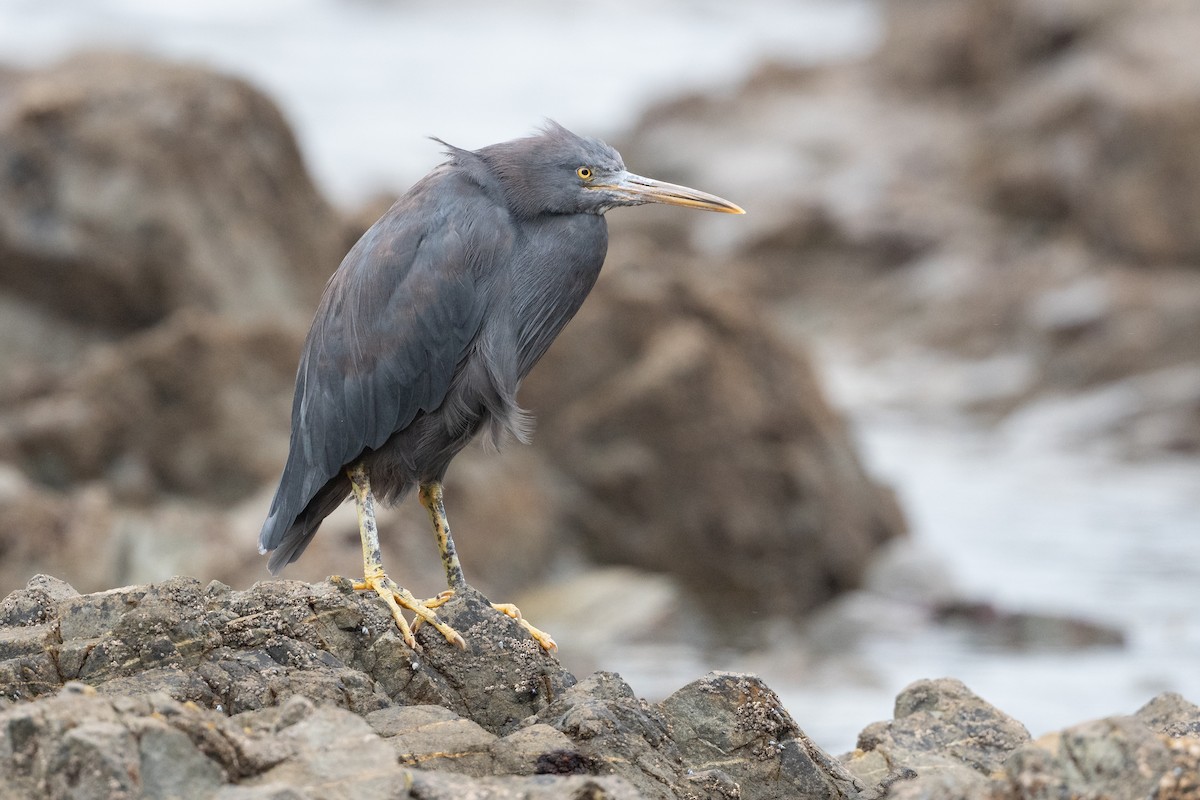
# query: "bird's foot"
541 637
508 609
397 598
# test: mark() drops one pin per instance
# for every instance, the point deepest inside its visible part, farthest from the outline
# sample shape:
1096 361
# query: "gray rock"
945 717
28 640
171 766
333 747
538 749
614 732
140 187
287 689
519 678
1172 715
441 786
739 496
88 616
94 760
944 742
734 728
431 737
1117 758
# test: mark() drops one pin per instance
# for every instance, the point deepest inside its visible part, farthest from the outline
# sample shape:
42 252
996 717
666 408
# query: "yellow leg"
376 580
430 495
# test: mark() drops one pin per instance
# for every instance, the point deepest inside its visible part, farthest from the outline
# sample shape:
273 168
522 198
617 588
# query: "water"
365 81
1016 517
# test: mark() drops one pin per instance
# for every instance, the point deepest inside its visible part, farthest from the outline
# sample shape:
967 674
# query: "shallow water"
1039 531
1015 516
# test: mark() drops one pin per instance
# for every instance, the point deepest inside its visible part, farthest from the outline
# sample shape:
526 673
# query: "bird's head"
559 172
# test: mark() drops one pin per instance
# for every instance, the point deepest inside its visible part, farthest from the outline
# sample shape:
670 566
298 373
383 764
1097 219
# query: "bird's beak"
635 190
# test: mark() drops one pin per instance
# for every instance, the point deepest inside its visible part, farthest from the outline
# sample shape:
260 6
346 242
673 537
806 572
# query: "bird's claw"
508 609
396 598
541 637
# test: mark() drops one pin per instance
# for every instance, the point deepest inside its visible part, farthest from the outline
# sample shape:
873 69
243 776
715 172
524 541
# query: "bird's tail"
285 535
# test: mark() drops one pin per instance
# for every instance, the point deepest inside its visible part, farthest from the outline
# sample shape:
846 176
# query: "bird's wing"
396 319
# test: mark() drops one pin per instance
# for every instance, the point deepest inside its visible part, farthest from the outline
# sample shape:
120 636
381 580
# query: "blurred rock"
1007 182
194 406
1116 757
1170 714
1106 139
700 444
994 628
980 44
134 187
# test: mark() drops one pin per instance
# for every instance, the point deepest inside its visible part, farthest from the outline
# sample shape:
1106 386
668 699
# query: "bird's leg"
430 495
376 580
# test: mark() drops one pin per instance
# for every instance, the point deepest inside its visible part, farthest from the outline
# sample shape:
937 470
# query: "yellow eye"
584 173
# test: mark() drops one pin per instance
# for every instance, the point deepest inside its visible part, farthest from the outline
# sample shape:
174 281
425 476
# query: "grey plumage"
434 317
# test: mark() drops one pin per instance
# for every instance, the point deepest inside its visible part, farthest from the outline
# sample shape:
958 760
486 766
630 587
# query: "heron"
427 328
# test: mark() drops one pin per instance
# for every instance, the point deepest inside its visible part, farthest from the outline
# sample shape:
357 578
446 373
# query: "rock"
980 44
949 739
999 194
945 715
1171 715
1118 758
287 689
1125 109
614 732
539 749
145 187
752 494
733 730
190 407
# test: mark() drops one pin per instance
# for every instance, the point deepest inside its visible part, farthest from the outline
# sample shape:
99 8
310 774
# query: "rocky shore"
994 212
296 690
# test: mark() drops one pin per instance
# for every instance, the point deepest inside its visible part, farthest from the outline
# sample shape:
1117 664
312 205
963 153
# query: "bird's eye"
585 173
